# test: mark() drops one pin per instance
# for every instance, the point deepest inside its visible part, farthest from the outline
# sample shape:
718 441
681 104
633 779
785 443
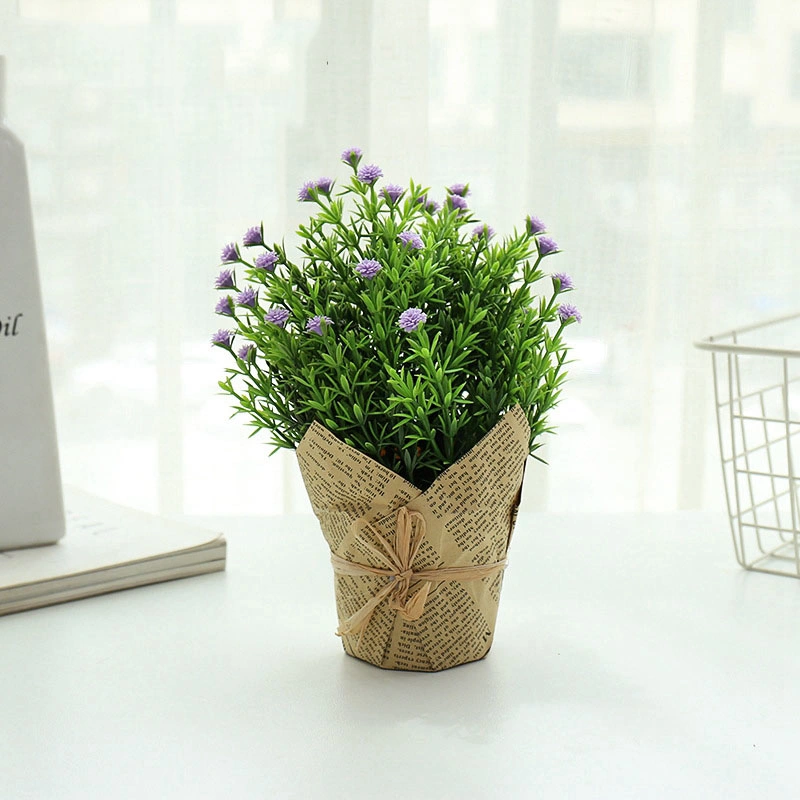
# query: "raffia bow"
409 535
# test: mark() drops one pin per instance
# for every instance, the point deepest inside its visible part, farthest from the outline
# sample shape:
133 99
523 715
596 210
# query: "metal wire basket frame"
757 399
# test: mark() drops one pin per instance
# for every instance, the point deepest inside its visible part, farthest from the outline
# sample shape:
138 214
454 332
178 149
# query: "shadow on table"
477 700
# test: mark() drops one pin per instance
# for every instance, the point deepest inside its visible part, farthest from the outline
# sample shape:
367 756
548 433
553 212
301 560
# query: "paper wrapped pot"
417 573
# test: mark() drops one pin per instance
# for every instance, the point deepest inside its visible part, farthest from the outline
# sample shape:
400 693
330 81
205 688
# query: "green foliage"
415 401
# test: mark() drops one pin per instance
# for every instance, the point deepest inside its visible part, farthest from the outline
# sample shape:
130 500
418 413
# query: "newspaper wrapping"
417 573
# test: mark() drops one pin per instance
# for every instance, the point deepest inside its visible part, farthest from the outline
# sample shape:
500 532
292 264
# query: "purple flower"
566 311
315 324
277 316
411 319
411 239
267 260
457 201
546 245
369 268
224 307
225 280
431 206
222 338
324 185
564 280
483 230
309 189
352 156
253 237
535 225
230 254
369 173
304 195
244 352
247 297
460 189
392 192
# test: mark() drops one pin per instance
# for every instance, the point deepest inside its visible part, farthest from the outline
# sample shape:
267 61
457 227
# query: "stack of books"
107 547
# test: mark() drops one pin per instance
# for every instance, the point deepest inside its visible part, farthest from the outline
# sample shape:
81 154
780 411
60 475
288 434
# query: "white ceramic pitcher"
31 504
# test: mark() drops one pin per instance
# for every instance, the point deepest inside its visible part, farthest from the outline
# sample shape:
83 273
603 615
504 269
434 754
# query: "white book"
107 547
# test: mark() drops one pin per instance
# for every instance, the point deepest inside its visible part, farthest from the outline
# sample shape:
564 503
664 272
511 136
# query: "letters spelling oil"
11 329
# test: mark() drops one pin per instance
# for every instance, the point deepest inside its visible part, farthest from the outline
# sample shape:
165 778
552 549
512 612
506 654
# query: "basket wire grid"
757 398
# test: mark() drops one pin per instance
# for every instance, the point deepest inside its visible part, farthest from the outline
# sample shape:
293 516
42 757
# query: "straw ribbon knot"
399 558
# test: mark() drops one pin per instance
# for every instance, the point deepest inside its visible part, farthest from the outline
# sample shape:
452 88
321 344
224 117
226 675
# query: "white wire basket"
757 397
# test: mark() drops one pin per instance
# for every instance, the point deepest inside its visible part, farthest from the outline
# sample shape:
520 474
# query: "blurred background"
659 139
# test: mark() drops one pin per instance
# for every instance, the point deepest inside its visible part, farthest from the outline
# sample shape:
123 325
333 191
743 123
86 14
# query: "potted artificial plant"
410 360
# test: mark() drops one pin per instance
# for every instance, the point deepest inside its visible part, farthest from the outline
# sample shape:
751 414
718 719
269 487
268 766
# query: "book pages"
468 515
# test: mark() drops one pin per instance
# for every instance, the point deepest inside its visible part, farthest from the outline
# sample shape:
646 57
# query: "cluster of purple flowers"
310 189
248 297
224 338
253 237
566 311
431 206
410 319
369 174
561 281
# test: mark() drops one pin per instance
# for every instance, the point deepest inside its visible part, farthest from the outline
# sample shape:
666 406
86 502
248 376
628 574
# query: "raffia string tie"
398 558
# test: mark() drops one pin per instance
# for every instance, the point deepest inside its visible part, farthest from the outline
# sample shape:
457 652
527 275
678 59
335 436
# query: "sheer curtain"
658 139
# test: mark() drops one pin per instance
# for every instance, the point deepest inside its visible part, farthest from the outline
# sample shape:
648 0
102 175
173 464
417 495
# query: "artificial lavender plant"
406 328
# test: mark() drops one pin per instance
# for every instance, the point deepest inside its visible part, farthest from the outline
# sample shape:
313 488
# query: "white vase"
31 503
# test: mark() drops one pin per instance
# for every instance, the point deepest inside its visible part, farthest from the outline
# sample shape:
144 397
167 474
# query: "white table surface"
633 658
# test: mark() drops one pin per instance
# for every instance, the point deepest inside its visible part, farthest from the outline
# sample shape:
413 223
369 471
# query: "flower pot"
417 573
